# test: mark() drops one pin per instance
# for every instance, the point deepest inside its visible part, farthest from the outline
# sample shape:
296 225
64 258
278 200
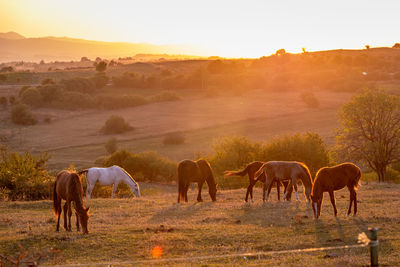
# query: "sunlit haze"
224 28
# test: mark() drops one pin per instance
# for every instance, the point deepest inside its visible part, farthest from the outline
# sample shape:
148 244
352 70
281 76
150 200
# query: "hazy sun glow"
225 27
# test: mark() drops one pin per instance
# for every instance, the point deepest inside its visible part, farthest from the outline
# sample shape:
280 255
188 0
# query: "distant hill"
15 47
11 36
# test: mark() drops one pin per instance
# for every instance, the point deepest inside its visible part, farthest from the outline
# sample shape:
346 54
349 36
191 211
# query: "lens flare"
157 252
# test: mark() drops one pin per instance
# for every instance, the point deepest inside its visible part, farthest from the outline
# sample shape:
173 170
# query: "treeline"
25 176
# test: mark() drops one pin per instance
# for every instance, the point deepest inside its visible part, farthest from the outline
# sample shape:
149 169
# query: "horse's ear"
87 209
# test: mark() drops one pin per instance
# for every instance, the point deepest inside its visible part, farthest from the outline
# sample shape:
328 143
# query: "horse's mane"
77 187
133 180
307 171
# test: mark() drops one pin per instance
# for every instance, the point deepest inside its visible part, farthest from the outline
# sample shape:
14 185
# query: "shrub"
11 99
174 139
79 84
32 97
165 96
23 89
23 176
310 99
116 125
99 162
48 81
20 114
50 92
144 166
111 145
3 101
73 100
234 152
101 66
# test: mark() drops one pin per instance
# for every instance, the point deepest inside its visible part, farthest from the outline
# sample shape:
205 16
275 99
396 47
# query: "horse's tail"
55 204
237 173
258 174
356 182
82 171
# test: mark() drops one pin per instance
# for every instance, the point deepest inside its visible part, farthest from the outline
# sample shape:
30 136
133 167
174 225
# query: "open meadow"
125 230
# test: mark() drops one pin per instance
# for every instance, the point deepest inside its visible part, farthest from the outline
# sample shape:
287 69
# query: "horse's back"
339 176
188 171
66 183
285 169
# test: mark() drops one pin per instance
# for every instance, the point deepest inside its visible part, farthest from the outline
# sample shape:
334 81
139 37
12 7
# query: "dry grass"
73 136
128 229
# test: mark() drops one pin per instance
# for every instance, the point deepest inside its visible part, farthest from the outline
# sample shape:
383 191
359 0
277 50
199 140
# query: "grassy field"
122 230
74 137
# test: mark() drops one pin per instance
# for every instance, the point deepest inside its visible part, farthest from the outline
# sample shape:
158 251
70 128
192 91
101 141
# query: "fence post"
373 246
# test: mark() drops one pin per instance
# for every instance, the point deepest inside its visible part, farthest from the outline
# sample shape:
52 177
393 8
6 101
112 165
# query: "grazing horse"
108 176
330 179
195 172
251 170
68 186
282 170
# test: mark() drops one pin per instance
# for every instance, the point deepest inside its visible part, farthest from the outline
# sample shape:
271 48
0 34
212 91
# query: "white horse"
108 176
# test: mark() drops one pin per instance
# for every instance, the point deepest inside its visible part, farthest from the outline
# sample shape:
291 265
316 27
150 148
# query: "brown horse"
282 170
68 186
195 172
330 179
251 170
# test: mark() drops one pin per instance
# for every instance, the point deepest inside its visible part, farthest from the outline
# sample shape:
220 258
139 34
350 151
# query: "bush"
116 125
24 177
174 139
99 162
111 145
100 80
79 84
144 166
73 100
234 152
50 92
3 101
20 114
48 81
310 99
32 97
23 89
165 96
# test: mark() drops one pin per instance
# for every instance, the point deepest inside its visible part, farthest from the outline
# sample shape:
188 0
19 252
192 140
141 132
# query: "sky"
229 28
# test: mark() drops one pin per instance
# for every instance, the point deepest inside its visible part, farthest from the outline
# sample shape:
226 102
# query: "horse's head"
136 190
84 216
212 190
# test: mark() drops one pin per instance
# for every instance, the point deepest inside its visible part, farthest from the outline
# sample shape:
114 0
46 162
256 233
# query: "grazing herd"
68 184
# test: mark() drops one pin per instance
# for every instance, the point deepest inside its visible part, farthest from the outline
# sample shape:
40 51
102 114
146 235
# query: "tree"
101 66
280 52
367 47
396 45
370 130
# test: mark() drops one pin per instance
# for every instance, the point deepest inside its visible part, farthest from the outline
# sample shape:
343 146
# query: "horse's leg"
352 197
278 189
289 187
114 189
69 216
333 201
77 221
319 206
294 182
59 214
200 186
65 215
186 189
267 185
269 188
89 189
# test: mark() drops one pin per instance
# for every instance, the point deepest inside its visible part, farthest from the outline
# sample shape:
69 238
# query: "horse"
108 176
68 186
330 179
197 172
250 170
282 170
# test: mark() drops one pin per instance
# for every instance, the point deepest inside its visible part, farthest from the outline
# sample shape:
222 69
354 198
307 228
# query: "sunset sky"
221 27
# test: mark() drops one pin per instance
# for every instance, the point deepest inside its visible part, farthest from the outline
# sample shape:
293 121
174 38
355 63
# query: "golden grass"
128 229
73 136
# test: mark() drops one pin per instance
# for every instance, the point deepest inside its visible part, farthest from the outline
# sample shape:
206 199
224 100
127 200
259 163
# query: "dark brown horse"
68 186
251 170
195 172
282 170
330 179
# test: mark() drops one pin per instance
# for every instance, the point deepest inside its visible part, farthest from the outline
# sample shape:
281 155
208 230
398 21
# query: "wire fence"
363 241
